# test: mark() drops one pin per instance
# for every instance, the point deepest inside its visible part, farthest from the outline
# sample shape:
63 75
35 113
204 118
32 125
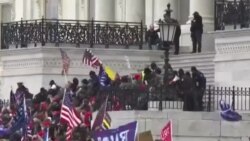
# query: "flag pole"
66 81
65 76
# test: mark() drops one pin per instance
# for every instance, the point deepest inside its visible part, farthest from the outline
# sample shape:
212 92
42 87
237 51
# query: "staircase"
202 61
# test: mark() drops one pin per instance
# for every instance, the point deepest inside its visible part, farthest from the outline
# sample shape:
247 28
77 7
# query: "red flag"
166 132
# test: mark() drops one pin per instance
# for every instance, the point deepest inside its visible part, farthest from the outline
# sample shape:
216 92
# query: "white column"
36 9
69 9
52 9
27 10
105 10
120 10
135 10
206 10
82 9
19 9
6 12
149 12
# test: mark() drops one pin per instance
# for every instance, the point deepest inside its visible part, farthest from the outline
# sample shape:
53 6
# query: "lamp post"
167 33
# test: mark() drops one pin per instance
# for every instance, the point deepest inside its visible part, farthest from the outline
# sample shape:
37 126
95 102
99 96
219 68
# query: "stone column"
52 9
120 9
6 11
19 9
36 9
82 12
27 10
69 9
149 12
135 10
105 10
206 10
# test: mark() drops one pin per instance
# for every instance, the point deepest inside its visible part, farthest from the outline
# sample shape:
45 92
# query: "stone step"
202 61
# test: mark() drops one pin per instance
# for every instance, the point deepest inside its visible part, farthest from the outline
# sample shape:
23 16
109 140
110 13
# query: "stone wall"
187 126
232 58
37 66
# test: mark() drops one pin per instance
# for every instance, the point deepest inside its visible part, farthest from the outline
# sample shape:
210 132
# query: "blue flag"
104 79
19 120
227 113
46 137
4 132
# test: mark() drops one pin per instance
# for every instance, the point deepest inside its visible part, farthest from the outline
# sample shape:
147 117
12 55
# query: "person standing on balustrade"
196 32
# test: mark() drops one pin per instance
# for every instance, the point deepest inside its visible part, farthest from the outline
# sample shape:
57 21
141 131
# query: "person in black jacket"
177 38
200 87
196 31
187 87
152 37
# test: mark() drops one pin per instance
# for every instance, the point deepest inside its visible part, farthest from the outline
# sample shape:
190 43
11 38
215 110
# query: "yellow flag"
142 75
111 73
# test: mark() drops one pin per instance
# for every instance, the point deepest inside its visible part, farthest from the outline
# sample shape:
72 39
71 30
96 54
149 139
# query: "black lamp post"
167 32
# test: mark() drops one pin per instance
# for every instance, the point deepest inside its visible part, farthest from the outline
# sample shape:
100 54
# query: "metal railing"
235 13
162 98
78 32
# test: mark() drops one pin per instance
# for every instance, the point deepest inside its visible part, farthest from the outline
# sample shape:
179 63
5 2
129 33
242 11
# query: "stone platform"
187 126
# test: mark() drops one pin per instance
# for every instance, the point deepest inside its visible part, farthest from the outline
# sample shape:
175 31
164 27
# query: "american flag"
68 114
65 61
90 59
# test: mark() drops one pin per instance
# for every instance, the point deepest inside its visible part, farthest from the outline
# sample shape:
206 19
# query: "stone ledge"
187 125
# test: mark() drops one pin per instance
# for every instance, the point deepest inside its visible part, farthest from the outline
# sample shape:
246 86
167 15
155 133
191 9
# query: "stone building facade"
147 11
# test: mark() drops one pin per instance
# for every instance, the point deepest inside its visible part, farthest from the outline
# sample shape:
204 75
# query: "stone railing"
232 42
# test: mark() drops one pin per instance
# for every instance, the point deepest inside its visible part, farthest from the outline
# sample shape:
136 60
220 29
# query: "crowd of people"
130 92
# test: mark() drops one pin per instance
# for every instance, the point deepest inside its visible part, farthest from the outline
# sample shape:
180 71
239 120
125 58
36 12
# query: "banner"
166 133
122 133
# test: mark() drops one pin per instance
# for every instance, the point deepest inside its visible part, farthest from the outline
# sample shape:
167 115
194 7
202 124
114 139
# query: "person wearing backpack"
200 87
